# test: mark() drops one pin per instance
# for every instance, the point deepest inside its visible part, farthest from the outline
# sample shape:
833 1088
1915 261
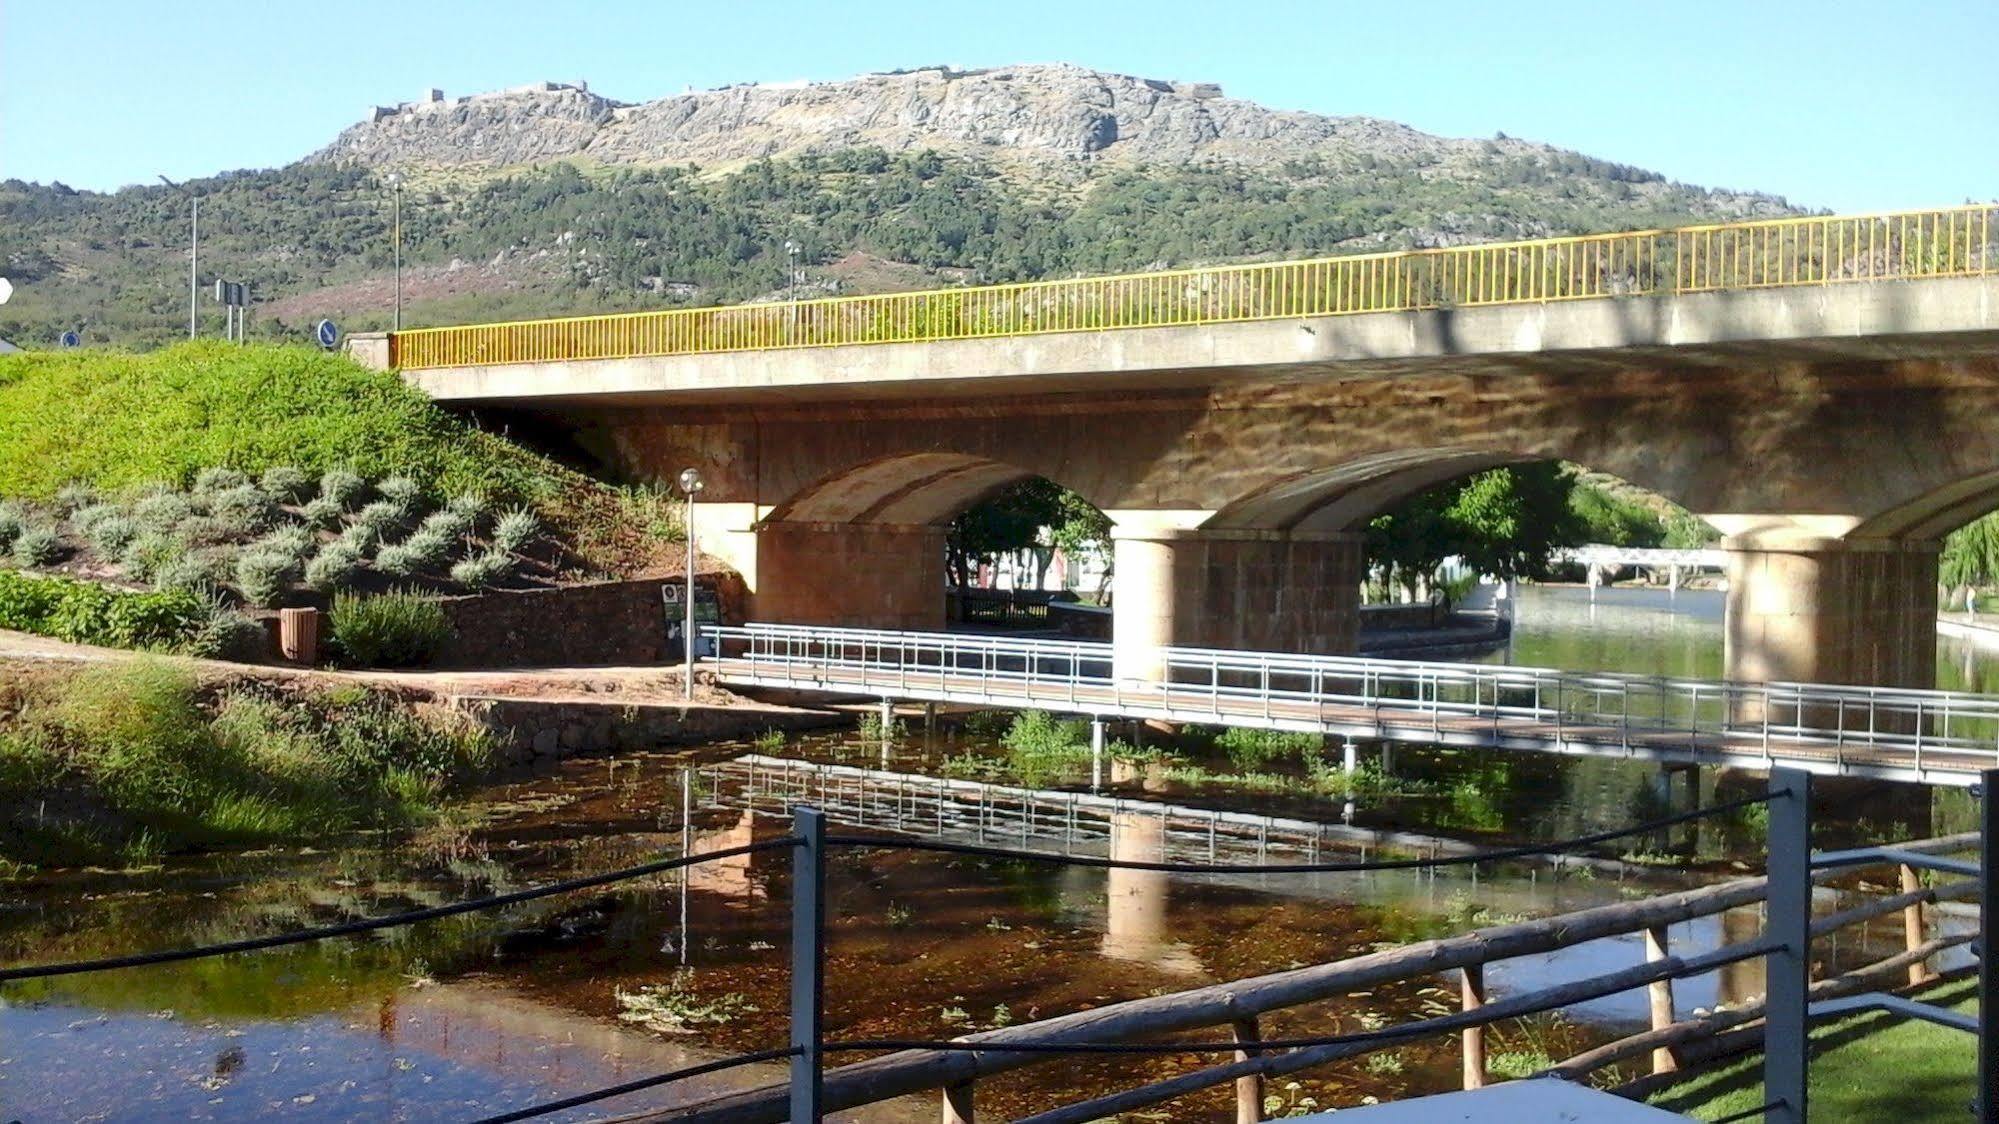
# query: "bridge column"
852 575
1832 611
1268 591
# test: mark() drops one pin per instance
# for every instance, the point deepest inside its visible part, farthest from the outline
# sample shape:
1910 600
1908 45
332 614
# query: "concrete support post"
1268 591
1832 611
851 575
1350 757
1096 753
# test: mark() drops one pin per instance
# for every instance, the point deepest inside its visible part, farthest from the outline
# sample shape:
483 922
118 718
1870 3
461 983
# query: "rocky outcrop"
1034 114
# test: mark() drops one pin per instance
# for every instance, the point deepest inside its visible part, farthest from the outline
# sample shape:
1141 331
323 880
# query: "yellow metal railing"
1951 242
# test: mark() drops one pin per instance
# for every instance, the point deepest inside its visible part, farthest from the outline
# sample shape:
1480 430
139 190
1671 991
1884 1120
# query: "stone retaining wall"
602 624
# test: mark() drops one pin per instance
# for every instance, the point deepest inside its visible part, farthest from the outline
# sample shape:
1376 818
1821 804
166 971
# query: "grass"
117 421
126 762
1867 1067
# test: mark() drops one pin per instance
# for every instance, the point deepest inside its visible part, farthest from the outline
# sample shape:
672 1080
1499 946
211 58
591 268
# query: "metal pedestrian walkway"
1926 737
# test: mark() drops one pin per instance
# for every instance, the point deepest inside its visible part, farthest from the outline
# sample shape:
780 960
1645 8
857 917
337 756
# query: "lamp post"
396 189
193 255
690 482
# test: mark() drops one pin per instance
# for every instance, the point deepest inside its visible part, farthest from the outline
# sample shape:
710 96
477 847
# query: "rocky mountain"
553 199
1034 115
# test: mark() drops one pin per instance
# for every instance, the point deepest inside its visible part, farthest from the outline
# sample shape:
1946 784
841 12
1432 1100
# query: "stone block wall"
540 731
596 625
853 575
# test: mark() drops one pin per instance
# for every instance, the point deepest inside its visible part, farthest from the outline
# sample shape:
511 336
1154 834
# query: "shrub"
1250 750
398 629
360 537
75 496
208 530
246 507
399 560
293 540
86 613
333 568
446 524
382 516
265 576
286 484
515 530
342 487
470 505
151 552
401 489
162 511
194 573
11 525
38 546
209 481
86 518
323 512
483 570
226 634
112 534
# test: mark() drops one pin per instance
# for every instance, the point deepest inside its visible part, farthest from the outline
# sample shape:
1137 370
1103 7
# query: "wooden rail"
1237 1007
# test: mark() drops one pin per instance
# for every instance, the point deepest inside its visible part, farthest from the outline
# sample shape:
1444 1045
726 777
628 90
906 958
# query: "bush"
87 518
399 560
265 576
203 574
333 568
162 511
359 537
1250 750
343 487
74 497
470 505
12 523
38 546
398 629
229 635
515 530
402 490
209 481
150 553
446 524
286 484
245 507
293 540
86 613
111 534
483 570
323 512
209 530
382 516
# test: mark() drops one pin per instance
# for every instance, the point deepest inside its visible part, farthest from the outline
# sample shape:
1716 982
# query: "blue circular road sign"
69 339
327 333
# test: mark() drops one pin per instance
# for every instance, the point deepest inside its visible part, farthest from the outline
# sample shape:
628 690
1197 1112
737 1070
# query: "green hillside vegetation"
121 422
564 239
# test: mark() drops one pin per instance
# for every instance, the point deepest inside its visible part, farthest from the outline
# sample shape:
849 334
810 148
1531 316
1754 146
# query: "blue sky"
1853 105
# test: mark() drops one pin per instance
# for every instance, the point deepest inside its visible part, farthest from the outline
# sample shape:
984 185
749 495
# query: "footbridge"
1928 737
1824 390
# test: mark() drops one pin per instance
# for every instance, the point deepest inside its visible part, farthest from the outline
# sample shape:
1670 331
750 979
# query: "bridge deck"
1930 737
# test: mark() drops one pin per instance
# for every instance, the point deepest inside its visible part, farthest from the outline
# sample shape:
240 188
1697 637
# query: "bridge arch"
908 489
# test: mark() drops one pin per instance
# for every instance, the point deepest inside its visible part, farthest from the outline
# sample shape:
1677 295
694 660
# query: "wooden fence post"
958 1103
1248 1088
1912 925
1472 991
1661 992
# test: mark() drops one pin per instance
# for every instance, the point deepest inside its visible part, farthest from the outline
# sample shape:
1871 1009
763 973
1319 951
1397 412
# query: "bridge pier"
1832 611
1268 591
851 575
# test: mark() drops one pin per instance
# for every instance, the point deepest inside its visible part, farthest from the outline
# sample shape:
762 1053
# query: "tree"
1971 555
1506 522
1015 518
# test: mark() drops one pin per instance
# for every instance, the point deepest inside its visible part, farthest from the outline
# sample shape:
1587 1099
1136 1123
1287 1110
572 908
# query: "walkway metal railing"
1810 250
1146 1026
1942 737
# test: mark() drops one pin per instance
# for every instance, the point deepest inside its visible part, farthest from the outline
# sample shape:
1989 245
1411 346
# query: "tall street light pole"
193 257
690 482
396 185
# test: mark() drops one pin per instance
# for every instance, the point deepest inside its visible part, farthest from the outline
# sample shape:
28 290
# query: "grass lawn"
1864 1068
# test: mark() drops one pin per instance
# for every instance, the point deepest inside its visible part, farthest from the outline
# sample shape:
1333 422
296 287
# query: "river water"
473 1015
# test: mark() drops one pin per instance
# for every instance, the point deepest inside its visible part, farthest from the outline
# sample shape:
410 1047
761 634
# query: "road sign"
327 333
6 289
69 339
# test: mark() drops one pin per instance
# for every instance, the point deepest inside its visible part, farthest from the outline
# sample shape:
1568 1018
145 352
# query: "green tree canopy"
1506 522
1013 519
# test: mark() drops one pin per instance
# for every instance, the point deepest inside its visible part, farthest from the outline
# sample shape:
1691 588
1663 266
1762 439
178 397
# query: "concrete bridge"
1825 391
